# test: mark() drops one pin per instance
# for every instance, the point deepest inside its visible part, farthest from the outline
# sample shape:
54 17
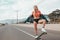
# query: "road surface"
13 32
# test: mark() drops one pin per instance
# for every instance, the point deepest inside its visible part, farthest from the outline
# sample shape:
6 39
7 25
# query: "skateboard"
38 38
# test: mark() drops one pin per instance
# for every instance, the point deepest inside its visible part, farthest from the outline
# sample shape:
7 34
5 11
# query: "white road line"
25 32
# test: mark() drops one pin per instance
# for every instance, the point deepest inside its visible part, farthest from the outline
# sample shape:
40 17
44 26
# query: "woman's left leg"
44 23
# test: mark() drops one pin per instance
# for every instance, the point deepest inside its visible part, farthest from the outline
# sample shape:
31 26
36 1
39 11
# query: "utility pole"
17 15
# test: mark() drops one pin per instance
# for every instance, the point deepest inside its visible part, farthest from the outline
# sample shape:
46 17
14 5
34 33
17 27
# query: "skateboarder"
37 19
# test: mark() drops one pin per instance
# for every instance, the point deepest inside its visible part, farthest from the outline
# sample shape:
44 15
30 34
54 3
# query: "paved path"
13 32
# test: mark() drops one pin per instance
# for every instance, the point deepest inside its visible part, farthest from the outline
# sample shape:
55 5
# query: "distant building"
55 16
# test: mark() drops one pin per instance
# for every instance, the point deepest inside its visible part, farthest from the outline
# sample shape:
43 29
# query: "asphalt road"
12 32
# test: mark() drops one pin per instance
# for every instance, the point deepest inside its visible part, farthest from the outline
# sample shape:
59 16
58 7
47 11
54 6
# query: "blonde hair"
35 6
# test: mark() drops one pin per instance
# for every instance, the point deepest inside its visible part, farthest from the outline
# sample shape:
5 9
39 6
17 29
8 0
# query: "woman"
37 19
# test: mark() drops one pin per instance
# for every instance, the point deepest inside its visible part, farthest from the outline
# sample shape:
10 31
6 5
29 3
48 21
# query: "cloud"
8 8
49 5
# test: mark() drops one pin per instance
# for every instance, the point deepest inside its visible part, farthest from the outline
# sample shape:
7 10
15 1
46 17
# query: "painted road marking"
25 32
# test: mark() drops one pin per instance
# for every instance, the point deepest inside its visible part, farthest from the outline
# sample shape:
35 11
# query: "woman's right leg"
35 27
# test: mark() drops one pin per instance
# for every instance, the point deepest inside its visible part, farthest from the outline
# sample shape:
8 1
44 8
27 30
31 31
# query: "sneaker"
43 30
36 36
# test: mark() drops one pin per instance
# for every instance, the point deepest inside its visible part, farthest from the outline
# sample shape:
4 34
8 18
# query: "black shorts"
36 20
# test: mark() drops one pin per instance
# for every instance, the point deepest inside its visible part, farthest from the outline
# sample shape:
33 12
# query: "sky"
24 8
